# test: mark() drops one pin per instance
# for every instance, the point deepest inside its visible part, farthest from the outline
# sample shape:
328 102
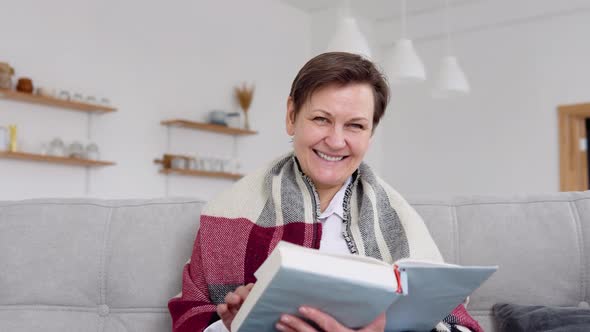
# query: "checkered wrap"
240 228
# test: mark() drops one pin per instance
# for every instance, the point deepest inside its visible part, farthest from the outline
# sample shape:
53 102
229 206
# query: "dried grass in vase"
244 94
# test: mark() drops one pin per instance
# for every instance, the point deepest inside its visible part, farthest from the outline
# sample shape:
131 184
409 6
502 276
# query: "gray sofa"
98 265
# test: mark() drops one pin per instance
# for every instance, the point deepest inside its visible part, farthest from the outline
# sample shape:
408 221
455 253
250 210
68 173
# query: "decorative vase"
6 73
244 95
246 121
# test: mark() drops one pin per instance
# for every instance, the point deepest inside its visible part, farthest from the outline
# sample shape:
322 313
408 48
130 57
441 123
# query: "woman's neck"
326 195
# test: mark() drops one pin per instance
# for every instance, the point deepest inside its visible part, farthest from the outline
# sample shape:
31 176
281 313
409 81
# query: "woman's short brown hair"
340 68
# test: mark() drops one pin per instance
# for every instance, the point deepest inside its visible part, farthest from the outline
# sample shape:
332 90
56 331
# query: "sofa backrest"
92 265
82 264
538 241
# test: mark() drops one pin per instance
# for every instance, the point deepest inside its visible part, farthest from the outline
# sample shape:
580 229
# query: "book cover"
431 292
355 290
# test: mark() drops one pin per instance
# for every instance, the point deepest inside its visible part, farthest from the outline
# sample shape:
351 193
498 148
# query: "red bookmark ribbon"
399 279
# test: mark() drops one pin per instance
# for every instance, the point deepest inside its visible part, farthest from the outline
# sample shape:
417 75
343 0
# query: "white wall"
155 60
323 26
522 63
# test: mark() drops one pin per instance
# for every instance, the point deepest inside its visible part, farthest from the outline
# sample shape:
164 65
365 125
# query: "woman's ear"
290 117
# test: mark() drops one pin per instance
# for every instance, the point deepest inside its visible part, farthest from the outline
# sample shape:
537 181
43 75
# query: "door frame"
573 162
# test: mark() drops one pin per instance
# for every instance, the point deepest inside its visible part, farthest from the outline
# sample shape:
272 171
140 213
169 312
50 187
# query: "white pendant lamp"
451 80
348 37
404 65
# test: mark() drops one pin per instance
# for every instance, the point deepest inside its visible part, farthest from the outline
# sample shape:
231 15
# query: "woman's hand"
233 301
289 323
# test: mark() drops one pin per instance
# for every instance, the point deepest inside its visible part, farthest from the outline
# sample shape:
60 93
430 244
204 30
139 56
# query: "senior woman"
321 196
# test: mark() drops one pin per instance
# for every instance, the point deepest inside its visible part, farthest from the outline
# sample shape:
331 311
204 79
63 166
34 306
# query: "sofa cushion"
50 253
522 318
93 265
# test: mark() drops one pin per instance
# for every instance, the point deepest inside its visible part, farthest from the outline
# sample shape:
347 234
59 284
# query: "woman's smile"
329 157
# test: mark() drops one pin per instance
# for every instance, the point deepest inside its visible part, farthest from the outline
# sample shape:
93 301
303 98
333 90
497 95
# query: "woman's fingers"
225 315
323 320
243 291
235 299
377 325
289 323
284 328
232 298
222 310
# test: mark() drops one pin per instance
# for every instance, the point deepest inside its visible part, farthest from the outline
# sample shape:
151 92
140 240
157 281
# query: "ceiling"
379 10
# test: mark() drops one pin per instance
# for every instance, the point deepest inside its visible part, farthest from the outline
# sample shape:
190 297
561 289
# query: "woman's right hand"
233 301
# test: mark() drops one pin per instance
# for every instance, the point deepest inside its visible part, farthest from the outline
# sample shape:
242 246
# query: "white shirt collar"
336 205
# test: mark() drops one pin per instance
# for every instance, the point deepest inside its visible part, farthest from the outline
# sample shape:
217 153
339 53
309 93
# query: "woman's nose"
336 139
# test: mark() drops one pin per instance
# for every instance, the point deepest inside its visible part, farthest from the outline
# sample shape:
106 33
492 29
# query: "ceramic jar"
92 152
6 73
76 150
24 85
57 148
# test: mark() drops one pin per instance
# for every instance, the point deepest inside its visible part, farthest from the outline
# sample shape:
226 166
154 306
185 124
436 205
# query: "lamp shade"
349 38
451 79
404 65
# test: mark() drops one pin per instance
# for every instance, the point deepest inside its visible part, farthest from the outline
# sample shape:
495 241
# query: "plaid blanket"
240 228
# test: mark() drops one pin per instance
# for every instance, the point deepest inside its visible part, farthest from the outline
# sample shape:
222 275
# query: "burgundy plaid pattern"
460 316
234 249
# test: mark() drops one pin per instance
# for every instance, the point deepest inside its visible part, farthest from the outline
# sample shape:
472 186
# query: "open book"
355 289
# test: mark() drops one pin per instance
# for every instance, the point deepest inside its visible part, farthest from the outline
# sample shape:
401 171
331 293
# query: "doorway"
574 131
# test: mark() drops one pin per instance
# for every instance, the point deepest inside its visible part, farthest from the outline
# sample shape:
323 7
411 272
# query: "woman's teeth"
328 158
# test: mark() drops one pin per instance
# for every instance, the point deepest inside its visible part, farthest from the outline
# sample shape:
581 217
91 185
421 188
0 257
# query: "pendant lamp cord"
346 10
448 29
403 20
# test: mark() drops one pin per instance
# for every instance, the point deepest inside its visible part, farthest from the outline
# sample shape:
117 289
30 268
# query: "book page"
407 262
353 257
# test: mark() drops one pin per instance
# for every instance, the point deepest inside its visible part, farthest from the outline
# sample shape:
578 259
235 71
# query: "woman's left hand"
290 323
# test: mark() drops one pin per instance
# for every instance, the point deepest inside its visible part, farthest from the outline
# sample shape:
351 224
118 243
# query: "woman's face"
332 132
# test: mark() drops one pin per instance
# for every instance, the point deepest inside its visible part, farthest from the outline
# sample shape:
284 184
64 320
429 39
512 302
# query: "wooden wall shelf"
53 159
54 102
222 175
207 127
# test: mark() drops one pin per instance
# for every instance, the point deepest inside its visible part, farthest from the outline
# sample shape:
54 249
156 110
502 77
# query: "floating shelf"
54 159
54 102
223 175
207 127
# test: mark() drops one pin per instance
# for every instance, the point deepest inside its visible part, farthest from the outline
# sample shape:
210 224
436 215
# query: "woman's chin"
328 181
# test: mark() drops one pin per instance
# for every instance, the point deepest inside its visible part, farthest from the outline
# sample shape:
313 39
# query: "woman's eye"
357 126
320 120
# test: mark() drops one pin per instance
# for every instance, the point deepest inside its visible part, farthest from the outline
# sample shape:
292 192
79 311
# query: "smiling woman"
335 103
331 134
321 195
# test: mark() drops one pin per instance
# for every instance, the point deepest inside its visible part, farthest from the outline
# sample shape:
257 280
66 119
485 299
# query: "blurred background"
105 74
